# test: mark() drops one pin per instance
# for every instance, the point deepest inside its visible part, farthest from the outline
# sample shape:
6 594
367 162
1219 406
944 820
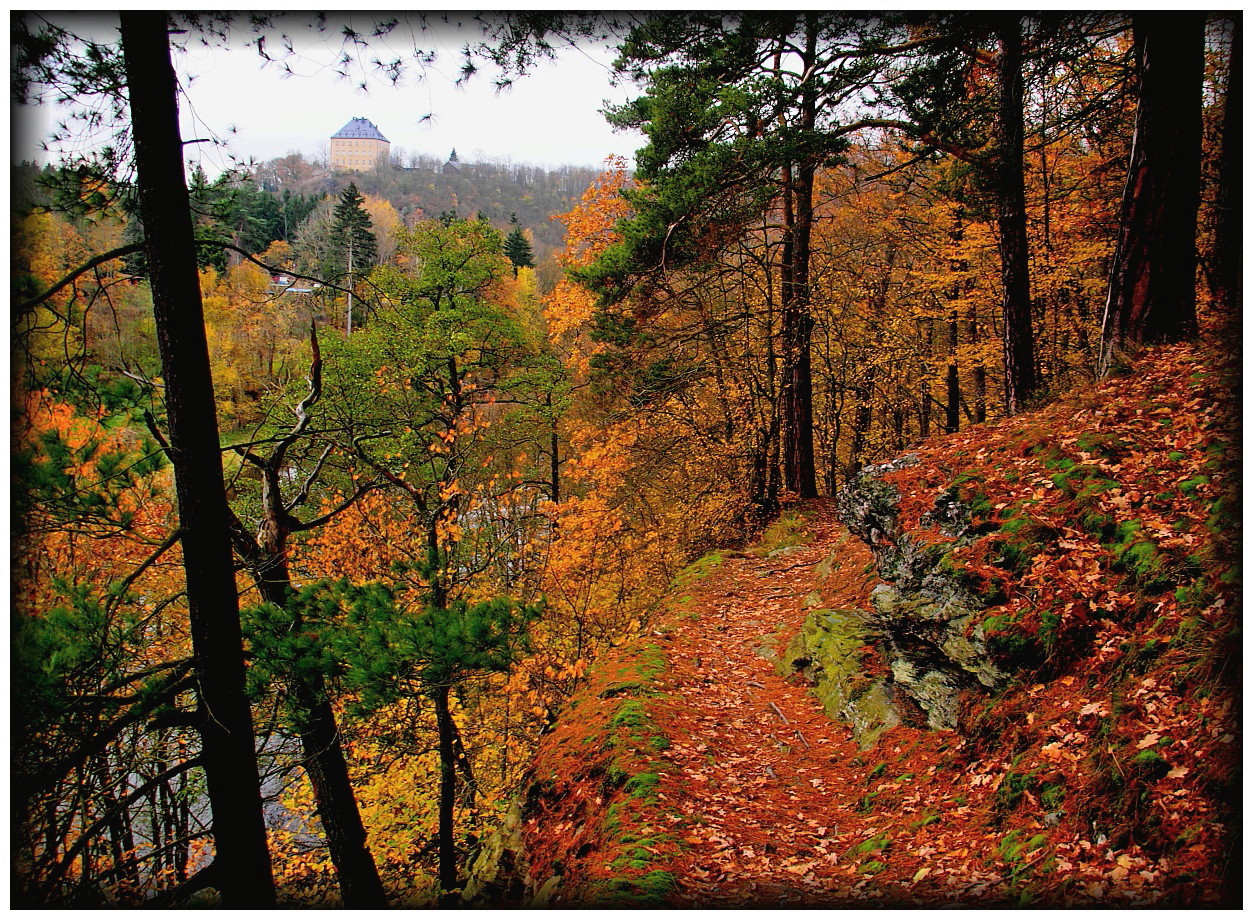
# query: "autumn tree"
392 651
263 545
412 398
737 121
96 775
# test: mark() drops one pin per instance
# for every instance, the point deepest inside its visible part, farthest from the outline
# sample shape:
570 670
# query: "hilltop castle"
359 146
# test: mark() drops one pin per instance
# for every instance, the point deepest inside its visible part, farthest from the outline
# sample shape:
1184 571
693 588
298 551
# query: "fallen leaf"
921 874
1148 740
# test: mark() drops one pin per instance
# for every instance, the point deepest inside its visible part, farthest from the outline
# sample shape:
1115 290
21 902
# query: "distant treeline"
270 201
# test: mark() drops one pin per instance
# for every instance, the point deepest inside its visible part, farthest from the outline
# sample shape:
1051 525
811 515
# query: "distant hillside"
429 187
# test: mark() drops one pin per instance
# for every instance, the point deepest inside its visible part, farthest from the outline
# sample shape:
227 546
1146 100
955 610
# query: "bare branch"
104 820
129 580
87 266
303 495
338 509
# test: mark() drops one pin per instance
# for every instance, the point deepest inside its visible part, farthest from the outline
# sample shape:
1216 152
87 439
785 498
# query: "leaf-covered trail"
689 771
754 752
735 789
767 786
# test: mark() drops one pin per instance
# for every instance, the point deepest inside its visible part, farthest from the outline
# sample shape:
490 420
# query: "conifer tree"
518 247
355 243
390 651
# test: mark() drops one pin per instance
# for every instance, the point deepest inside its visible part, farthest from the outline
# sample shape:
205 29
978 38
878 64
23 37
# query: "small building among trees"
359 145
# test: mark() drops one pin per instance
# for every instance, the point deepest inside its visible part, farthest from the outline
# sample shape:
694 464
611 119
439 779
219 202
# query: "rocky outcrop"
925 615
498 878
830 652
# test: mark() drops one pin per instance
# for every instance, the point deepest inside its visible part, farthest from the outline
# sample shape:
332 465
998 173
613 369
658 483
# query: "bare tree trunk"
241 851
863 416
952 382
952 386
1228 239
348 324
980 373
1021 380
1152 290
447 793
924 410
799 471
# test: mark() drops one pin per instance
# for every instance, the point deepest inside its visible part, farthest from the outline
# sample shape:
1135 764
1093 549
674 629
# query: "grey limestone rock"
925 614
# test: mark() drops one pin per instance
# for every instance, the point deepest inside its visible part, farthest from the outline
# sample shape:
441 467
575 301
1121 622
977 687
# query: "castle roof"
360 128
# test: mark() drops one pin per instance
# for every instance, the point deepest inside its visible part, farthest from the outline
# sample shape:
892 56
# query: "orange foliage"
589 231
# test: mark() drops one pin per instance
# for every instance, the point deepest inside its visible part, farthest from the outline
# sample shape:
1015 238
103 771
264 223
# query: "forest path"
687 771
767 786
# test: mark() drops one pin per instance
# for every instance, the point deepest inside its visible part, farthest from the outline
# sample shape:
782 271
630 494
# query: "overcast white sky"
550 117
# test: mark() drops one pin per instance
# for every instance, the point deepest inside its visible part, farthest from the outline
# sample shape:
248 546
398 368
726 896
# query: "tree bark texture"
1021 379
1228 268
799 471
228 752
447 790
1152 291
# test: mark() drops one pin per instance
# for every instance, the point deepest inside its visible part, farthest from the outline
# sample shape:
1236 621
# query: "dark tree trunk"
898 429
1021 380
952 382
241 853
327 769
324 761
764 473
1152 290
980 373
554 456
863 415
924 410
447 792
1228 237
981 393
265 553
799 471
952 385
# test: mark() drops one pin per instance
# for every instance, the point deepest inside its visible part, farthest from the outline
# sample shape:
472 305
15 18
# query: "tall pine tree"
356 246
1152 292
518 247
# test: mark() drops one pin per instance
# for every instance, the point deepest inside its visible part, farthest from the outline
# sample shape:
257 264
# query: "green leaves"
80 482
380 647
392 647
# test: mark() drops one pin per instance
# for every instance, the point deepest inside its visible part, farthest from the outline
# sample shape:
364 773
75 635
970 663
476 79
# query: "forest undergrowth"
1103 772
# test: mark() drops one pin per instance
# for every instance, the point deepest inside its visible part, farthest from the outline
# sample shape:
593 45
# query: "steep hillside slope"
1006 674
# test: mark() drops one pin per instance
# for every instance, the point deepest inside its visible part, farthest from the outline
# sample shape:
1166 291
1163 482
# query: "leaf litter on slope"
766 801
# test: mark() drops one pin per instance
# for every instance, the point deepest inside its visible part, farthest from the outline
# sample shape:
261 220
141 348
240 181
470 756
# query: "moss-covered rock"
829 652
498 877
